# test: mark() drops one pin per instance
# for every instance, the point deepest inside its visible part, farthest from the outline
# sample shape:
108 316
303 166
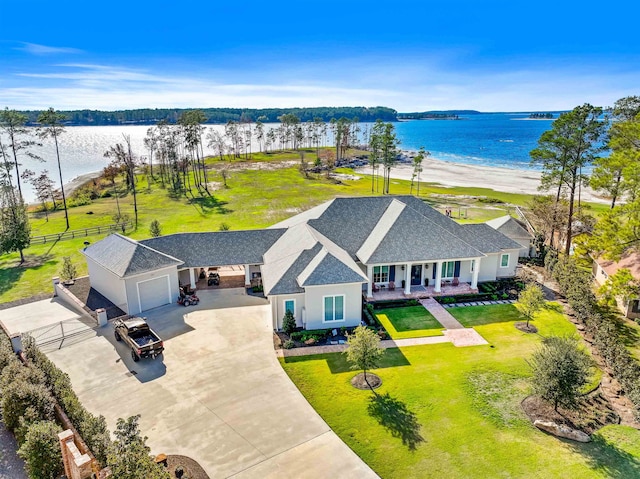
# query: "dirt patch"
594 411
524 328
192 470
372 381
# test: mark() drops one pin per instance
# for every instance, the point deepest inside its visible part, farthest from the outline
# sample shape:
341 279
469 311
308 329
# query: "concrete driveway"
218 395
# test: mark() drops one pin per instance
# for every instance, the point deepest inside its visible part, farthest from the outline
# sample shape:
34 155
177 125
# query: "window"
448 267
334 308
290 305
504 260
635 306
381 274
473 265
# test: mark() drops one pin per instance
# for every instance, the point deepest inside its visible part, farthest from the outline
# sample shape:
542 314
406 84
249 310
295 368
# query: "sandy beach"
508 180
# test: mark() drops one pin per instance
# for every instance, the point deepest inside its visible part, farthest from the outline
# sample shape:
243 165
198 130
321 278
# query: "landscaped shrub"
41 451
21 399
288 323
575 285
289 344
93 429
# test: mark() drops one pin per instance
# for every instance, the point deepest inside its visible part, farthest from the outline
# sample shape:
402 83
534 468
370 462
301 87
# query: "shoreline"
446 173
498 178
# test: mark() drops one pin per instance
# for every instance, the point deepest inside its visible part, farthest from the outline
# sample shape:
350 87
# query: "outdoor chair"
455 282
392 286
375 288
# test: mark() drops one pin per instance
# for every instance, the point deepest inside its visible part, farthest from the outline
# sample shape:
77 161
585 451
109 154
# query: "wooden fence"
94 230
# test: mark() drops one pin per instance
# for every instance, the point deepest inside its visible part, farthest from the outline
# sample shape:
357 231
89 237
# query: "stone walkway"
455 332
441 314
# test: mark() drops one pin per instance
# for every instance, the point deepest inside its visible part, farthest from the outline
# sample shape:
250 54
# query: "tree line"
151 116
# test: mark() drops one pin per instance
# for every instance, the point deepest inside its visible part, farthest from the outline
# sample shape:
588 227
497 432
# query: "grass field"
452 412
409 322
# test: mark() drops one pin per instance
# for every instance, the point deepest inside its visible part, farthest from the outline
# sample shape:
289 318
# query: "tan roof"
630 261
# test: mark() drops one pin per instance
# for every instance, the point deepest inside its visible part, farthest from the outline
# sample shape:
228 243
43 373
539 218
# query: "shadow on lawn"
10 276
604 457
338 363
208 203
393 415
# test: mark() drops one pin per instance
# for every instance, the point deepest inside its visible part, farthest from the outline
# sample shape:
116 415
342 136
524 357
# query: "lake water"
494 139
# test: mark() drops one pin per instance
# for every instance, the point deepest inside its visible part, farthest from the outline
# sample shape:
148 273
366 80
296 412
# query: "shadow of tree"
208 203
338 363
556 307
606 458
393 415
9 276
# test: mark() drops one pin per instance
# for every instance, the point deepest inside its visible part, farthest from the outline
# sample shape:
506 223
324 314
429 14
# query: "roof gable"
488 240
509 226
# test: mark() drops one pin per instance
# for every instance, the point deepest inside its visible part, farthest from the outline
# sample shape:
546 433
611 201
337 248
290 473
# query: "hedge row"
93 429
575 286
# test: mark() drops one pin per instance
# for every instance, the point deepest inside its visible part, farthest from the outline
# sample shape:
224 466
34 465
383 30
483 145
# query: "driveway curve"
219 394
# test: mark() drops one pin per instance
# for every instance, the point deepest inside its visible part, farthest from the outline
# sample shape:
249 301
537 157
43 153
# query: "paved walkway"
442 315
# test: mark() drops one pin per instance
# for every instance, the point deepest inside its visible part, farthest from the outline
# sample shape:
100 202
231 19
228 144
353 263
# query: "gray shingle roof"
219 248
126 257
414 237
488 240
287 283
330 270
509 226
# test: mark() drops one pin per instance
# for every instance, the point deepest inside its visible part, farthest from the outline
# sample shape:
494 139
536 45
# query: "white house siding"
510 271
277 308
314 301
108 284
131 285
488 267
525 251
599 274
184 277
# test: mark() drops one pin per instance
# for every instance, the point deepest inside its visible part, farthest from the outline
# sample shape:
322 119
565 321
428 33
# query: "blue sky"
412 56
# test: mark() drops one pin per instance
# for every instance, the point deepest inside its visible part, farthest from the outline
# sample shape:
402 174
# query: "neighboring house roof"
630 261
487 239
126 257
510 227
218 248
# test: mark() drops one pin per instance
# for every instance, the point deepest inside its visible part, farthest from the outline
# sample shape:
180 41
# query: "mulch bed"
373 381
526 329
192 470
594 411
81 289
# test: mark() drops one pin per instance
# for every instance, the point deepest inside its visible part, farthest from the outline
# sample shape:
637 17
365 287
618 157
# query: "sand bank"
508 180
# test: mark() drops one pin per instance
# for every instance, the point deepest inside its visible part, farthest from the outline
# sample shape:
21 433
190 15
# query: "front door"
416 274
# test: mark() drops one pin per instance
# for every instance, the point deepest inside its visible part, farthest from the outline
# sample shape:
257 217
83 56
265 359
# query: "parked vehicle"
214 279
187 299
137 334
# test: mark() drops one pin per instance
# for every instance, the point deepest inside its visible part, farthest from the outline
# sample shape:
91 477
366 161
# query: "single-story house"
516 230
318 264
603 268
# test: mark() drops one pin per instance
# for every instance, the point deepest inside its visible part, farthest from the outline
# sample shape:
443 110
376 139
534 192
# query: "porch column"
476 270
436 287
407 278
370 282
192 277
247 276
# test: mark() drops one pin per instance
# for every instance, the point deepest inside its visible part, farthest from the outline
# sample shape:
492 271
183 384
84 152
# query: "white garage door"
153 293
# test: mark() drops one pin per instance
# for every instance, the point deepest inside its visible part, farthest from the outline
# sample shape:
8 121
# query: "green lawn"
452 412
409 322
470 316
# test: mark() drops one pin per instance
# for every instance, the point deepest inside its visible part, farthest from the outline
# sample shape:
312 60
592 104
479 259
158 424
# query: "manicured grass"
452 412
470 316
409 322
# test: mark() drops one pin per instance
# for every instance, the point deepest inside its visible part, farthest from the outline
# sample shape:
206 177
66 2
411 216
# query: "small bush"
504 296
41 451
32 402
289 344
224 227
155 229
288 323
69 270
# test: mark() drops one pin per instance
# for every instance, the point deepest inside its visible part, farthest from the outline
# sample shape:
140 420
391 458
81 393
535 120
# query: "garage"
132 276
153 293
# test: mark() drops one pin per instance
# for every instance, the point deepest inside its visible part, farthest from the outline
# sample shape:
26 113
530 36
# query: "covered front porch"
422 279
421 292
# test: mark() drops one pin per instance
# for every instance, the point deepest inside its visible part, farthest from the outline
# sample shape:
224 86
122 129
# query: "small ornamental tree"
155 229
68 271
129 454
560 370
288 323
530 301
364 350
41 451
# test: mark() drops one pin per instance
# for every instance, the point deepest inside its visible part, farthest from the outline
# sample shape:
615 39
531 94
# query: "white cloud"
37 49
